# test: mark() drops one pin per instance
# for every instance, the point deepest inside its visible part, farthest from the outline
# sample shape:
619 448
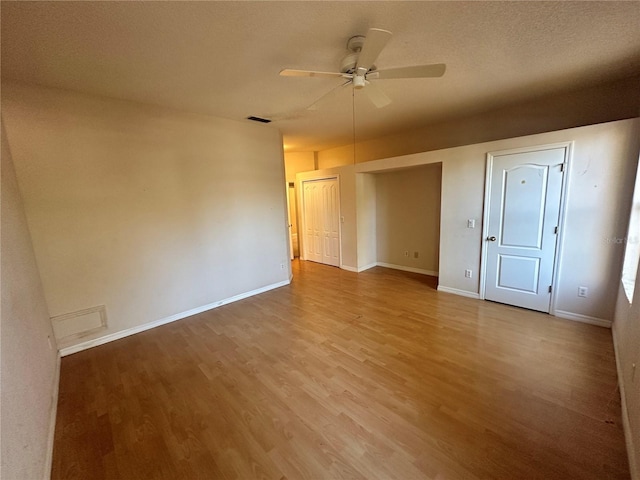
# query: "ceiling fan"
358 67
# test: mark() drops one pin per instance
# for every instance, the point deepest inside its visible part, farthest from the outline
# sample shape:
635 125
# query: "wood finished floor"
341 375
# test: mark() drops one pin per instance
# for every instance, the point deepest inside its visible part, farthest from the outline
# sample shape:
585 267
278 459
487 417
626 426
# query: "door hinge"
555 230
562 167
549 288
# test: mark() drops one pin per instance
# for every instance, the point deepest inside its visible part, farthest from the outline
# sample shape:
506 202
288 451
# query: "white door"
330 223
322 221
522 224
311 233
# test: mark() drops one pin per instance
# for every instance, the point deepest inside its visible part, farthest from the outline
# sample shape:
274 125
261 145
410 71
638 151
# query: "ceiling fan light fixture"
358 82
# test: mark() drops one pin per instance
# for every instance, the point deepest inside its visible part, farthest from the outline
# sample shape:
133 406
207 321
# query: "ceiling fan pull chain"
353 116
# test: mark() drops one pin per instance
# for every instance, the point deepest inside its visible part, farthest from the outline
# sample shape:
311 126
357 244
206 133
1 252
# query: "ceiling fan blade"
309 73
377 96
314 105
415 71
373 44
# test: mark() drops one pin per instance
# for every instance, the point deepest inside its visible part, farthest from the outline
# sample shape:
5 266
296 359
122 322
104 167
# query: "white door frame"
303 221
289 224
564 195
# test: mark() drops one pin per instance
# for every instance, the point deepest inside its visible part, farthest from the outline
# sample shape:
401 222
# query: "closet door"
322 221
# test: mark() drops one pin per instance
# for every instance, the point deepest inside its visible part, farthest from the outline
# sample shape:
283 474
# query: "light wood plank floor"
341 375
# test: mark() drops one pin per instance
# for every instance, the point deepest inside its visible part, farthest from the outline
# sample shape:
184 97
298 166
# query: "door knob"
491 238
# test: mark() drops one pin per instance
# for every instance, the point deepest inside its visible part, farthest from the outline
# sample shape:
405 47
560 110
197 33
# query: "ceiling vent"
258 119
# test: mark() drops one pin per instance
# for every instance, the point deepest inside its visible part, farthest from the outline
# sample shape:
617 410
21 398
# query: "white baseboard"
357 270
455 291
367 267
389 265
582 318
626 425
53 413
422 271
348 268
178 316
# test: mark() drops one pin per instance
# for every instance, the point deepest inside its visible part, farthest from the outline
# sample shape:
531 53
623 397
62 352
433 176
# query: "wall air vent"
258 119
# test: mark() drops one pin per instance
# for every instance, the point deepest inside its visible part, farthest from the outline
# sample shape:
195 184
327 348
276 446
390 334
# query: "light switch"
471 223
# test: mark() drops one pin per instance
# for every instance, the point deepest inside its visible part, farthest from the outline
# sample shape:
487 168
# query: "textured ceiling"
223 58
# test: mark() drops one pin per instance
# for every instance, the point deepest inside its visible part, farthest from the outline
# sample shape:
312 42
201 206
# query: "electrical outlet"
416 254
467 273
406 253
583 292
282 266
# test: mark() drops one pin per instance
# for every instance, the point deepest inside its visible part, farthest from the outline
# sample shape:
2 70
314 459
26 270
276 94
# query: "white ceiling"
223 58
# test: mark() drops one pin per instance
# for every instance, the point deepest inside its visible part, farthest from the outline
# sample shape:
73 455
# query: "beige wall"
29 361
151 212
626 331
408 217
366 220
626 335
600 185
344 155
296 162
602 103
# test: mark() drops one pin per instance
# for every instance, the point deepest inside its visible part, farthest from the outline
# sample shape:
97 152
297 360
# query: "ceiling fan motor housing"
349 62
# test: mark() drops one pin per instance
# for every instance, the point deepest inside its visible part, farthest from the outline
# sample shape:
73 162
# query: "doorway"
293 220
522 219
321 221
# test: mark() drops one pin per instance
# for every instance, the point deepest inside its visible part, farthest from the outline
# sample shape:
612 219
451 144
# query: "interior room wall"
626 333
598 104
626 336
296 162
151 212
600 187
408 217
340 156
28 352
599 193
366 220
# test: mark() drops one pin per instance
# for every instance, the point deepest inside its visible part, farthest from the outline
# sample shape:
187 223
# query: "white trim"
367 267
422 271
564 195
601 322
53 413
156 323
289 224
349 269
455 291
626 425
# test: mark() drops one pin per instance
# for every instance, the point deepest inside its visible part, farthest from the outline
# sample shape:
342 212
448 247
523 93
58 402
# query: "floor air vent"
74 325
